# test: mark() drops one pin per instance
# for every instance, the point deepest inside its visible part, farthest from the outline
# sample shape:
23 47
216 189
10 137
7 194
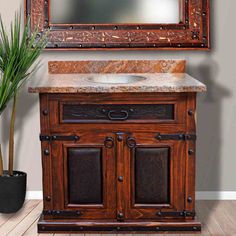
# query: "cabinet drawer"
65 110
80 113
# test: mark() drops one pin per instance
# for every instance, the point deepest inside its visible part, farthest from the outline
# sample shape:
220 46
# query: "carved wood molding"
191 33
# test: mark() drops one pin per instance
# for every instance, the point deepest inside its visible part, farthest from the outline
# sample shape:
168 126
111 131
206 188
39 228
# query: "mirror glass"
114 11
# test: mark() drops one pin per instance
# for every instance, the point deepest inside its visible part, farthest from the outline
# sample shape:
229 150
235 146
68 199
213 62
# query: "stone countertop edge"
155 82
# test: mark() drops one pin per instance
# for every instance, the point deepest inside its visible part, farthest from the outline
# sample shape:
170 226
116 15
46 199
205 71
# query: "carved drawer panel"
71 112
76 113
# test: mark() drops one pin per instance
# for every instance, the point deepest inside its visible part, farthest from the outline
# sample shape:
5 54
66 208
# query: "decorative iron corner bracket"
176 214
50 138
184 137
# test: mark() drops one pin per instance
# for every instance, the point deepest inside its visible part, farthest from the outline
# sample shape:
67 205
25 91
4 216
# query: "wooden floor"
217 217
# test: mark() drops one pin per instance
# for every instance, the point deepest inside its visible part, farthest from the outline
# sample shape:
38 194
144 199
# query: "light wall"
216 156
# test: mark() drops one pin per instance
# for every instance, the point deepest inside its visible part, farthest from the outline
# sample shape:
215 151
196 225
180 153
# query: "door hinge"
176 214
62 213
184 137
50 138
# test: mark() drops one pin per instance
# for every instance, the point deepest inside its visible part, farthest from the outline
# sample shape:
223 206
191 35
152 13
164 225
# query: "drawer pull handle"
112 115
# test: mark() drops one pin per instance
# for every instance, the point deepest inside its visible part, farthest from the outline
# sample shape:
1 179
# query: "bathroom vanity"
118 137
118 150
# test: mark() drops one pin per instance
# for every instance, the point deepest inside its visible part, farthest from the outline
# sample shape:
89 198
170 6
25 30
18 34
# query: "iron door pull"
124 115
131 142
109 142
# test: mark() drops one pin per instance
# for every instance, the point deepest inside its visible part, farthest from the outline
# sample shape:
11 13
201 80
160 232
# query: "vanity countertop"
154 82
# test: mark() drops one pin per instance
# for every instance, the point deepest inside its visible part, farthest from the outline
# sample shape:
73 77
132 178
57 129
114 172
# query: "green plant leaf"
18 53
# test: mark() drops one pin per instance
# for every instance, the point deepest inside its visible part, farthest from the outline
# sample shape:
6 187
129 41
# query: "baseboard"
200 195
216 195
36 195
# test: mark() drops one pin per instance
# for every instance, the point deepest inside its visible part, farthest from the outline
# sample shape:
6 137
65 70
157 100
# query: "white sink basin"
116 79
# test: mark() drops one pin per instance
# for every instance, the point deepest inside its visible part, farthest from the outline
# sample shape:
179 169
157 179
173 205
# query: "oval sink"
116 79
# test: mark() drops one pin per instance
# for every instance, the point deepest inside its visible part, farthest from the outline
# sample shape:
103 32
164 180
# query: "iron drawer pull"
124 115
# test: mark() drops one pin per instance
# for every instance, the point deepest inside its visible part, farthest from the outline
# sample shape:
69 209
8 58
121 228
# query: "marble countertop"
80 83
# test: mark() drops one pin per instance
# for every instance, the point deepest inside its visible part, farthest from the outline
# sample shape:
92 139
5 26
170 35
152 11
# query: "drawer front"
72 112
79 113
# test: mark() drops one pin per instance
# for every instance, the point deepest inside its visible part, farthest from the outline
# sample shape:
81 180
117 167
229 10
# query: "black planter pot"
12 191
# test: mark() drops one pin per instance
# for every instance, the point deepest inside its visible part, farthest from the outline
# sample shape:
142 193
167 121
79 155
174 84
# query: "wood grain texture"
15 219
212 226
223 215
209 225
46 162
176 182
60 179
121 66
117 141
190 153
58 124
23 225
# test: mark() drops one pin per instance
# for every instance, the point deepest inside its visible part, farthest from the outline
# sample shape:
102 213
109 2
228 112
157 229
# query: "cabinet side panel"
46 159
190 154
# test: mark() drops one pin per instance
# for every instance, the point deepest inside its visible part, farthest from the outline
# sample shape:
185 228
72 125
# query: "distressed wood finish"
121 66
60 198
192 32
119 142
176 184
58 124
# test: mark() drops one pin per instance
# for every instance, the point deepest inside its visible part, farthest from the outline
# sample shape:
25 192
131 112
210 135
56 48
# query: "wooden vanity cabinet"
118 162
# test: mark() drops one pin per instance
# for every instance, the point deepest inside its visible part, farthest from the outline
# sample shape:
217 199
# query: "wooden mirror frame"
192 32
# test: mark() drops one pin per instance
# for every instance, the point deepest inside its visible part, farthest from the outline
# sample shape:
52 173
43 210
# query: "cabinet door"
154 177
84 177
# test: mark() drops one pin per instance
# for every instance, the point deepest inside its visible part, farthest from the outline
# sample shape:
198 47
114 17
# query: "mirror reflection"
114 11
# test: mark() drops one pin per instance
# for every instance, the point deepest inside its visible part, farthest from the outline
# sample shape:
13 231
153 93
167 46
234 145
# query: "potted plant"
18 53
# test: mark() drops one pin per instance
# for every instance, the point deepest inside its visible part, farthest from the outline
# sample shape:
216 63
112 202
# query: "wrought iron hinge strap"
176 214
184 137
62 213
58 138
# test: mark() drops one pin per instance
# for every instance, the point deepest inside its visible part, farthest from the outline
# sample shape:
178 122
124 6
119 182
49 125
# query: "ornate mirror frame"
192 32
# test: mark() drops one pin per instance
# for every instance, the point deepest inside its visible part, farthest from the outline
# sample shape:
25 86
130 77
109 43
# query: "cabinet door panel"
84 177
151 175
154 177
